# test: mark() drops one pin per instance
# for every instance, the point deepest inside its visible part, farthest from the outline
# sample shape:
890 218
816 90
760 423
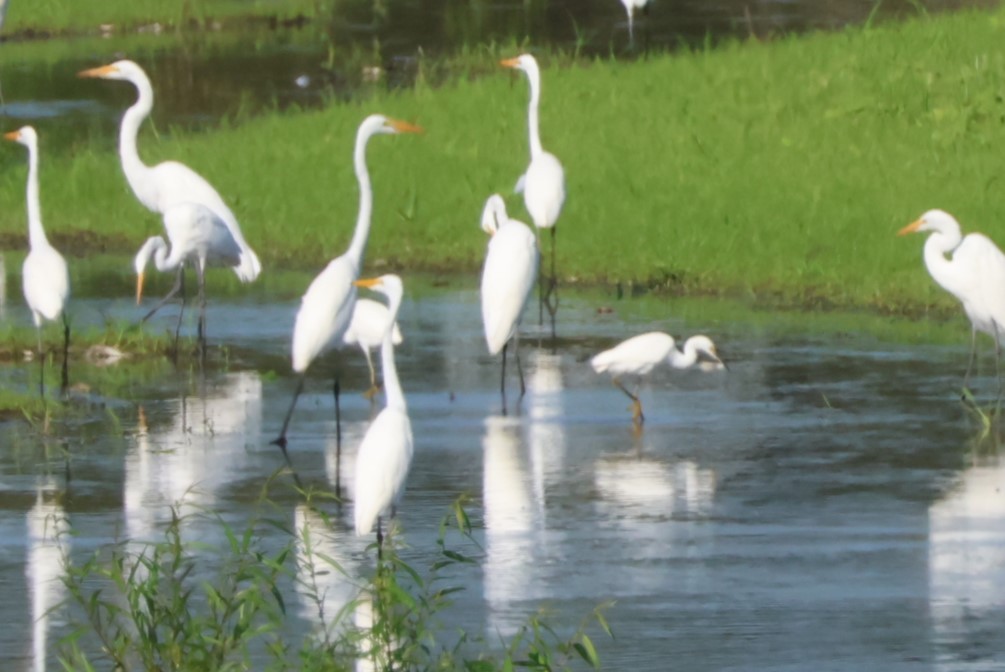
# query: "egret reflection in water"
48 549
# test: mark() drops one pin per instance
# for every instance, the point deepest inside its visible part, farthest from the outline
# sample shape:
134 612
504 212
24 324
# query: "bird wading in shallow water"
45 278
196 235
327 306
366 329
168 184
974 274
638 355
511 265
385 454
543 184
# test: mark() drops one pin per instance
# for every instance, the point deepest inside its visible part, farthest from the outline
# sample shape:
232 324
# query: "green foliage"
157 607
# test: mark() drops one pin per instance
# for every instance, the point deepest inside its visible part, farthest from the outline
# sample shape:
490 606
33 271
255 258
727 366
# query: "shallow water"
823 504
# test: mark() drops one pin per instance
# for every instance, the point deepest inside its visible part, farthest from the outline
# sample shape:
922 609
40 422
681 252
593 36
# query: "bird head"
524 62
704 346
389 285
495 209
933 220
378 123
24 136
124 70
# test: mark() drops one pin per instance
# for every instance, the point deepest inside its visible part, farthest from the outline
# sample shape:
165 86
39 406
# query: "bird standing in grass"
638 355
45 278
974 274
511 265
385 455
543 184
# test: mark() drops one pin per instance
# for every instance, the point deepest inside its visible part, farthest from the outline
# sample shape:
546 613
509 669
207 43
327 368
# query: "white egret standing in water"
543 184
638 355
511 265
328 303
974 274
169 183
366 329
45 278
385 455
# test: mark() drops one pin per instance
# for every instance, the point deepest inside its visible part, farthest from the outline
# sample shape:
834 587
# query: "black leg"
380 542
200 270
41 364
181 312
973 354
281 439
178 285
519 365
337 390
66 353
502 378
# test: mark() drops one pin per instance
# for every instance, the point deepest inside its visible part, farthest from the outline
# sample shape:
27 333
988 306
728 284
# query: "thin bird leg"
281 439
337 389
540 284
519 366
374 388
636 404
179 284
502 378
200 272
973 355
380 543
554 275
998 373
181 313
66 353
41 363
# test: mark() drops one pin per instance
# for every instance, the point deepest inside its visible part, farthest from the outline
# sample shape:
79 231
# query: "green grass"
60 16
774 172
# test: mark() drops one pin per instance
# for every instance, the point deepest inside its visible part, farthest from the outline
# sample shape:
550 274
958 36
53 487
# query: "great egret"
630 7
328 303
196 235
45 279
511 265
975 274
386 452
169 183
638 355
366 329
543 185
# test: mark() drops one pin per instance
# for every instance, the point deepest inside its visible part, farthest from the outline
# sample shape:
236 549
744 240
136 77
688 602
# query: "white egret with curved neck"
196 235
639 355
366 329
45 278
169 183
543 184
385 454
974 274
511 265
328 303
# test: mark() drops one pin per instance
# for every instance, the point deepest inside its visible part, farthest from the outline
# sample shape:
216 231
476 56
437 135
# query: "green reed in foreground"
775 171
157 606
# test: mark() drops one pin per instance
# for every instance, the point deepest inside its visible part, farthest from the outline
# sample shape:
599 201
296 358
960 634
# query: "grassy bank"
63 16
777 172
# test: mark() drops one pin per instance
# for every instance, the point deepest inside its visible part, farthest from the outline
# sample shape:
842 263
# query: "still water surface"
824 504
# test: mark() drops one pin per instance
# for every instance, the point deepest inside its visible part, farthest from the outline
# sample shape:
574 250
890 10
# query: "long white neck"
36 234
362 233
939 244
134 168
392 386
156 247
686 359
534 77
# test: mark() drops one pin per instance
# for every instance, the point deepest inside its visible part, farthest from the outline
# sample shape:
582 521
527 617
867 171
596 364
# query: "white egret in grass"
543 184
366 329
638 355
196 235
328 303
974 274
169 183
385 454
44 276
511 265
630 8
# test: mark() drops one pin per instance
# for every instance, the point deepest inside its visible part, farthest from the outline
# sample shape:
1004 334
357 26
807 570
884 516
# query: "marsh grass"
777 172
159 606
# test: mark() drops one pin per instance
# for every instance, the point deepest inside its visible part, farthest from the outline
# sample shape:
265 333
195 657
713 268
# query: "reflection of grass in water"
63 15
777 172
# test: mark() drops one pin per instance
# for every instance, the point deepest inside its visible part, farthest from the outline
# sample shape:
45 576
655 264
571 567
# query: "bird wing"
176 183
544 191
194 229
325 312
507 279
636 355
986 278
46 282
382 465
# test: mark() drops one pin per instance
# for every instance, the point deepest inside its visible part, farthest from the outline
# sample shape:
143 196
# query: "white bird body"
196 234
45 277
385 454
975 273
511 266
543 184
366 329
170 183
